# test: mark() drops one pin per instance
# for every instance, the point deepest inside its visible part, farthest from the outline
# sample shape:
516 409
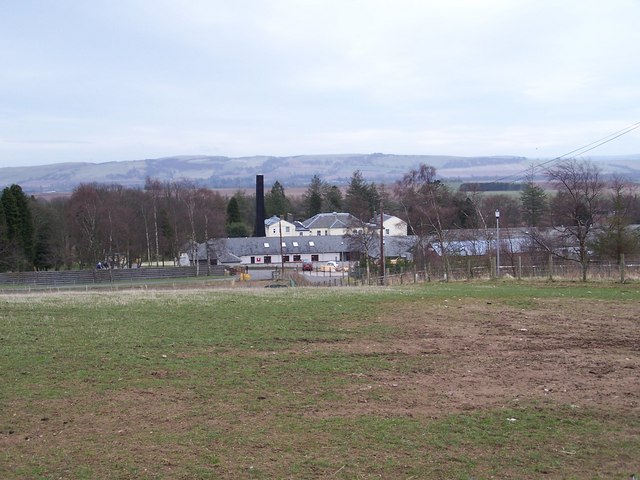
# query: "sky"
88 81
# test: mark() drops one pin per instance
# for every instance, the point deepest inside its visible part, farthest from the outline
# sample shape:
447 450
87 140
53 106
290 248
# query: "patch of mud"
467 356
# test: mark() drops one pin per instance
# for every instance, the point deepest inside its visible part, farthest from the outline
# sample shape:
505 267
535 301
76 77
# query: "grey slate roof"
271 221
261 246
331 220
292 245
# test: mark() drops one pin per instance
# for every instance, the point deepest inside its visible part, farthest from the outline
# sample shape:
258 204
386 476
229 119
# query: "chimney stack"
259 228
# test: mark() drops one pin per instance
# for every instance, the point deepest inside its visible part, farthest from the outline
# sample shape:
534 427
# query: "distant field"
435 381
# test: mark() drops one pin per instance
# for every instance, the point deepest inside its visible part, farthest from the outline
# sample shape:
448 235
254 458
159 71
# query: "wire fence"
568 271
70 278
395 275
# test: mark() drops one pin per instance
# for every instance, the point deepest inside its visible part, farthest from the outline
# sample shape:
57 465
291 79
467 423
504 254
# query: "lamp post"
497 243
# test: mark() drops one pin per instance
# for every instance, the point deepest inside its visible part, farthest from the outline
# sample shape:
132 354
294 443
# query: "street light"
497 243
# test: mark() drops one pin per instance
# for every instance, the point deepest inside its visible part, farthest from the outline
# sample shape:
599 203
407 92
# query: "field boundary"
84 277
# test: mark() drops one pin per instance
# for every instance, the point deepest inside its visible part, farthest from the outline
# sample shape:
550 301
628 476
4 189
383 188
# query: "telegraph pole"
382 263
281 250
497 243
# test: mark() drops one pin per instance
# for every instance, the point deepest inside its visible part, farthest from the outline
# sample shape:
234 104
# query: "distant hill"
295 171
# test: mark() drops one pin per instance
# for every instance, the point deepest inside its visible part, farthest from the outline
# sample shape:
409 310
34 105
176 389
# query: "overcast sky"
123 80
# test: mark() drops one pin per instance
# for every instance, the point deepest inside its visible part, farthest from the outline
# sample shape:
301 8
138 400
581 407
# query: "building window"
284 244
295 244
296 258
285 258
326 232
318 233
312 244
267 259
386 230
266 244
315 258
287 229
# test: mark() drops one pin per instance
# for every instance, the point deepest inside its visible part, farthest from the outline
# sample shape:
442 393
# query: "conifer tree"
276 202
19 227
312 199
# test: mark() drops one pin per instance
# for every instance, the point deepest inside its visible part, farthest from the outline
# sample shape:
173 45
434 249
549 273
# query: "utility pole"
382 262
281 250
497 243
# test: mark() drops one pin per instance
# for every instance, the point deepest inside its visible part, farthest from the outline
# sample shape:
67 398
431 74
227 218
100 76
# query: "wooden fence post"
551 267
622 268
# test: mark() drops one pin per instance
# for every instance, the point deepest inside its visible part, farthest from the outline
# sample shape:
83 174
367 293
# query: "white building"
393 226
334 224
276 227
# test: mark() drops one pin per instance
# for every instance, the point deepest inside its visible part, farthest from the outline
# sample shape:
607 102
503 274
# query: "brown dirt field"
585 355
461 355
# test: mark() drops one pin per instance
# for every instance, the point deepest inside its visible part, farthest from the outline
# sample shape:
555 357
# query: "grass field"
442 381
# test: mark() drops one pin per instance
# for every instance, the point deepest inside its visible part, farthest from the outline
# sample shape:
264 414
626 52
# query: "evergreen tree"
333 199
19 223
44 230
235 226
362 198
312 199
4 242
275 202
534 204
167 233
233 211
466 212
238 230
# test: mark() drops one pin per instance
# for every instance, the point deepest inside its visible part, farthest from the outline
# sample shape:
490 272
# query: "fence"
557 271
83 277
570 271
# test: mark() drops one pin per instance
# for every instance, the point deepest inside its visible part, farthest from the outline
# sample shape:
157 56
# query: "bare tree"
155 187
83 210
362 238
614 235
429 209
576 207
205 211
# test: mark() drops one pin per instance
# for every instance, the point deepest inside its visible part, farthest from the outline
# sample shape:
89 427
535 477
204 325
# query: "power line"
578 151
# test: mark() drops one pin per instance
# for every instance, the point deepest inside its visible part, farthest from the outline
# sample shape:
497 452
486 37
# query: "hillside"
291 171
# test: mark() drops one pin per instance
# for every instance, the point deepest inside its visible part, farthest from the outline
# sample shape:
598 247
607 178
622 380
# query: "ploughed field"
462 380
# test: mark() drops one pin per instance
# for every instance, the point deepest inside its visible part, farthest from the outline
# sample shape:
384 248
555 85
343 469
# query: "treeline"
491 187
126 227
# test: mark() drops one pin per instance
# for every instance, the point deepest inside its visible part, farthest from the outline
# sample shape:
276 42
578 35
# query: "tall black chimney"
259 230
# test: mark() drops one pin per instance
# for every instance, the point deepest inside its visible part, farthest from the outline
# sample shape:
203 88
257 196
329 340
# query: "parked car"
330 266
307 267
